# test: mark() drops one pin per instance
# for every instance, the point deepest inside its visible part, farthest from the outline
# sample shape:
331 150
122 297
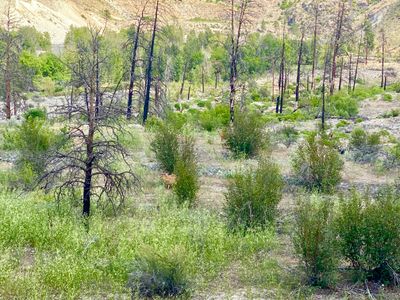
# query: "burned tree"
133 61
357 63
299 62
149 69
325 74
336 45
315 36
92 158
239 18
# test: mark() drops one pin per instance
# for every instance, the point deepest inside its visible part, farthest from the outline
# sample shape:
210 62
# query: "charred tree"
336 46
132 73
150 65
315 36
357 63
383 57
299 62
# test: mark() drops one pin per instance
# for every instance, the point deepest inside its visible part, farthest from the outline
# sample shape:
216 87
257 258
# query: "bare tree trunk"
314 47
350 72
383 59
273 79
202 79
188 95
183 81
327 59
341 74
150 66
384 85
8 97
87 186
299 61
132 70
336 46
357 62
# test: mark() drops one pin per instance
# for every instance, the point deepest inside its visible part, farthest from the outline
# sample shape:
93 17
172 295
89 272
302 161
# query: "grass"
46 251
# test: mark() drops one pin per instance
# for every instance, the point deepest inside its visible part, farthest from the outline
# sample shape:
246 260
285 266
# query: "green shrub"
246 135
392 114
288 135
343 105
342 123
314 240
159 274
165 146
395 87
387 97
214 118
253 196
317 163
187 182
369 234
364 146
32 140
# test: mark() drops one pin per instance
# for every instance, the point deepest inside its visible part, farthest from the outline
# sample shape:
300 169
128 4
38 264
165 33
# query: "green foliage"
187 182
317 163
369 234
253 197
246 135
214 118
32 139
392 114
288 135
342 123
343 105
314 240
364 146
158 274
395 87
59 258
387 97
165 146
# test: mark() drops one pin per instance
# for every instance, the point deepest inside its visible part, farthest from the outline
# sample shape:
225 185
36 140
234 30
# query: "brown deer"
169 180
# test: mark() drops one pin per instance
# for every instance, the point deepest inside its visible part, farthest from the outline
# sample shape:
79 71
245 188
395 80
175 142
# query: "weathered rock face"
56 16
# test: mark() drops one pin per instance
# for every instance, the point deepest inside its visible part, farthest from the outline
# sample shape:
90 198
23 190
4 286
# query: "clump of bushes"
246 136
165 146
343 105
253 196
214 118
288 135
187 181
32 140
176 155
392 114
317 163
314 240
161 275
364 146
369 234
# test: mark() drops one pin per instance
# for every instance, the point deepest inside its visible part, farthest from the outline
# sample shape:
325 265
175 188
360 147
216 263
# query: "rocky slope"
56 16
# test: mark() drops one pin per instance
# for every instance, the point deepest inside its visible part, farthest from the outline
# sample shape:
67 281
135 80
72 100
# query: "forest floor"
274 273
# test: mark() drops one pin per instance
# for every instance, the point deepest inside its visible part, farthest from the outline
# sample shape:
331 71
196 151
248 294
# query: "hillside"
56 16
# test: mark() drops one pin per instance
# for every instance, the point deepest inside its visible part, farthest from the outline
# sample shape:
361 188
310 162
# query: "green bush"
364 146
369 234
161 275
343 105
246 135
395 87
253 197
317 163
342 123
387 97
214 118
288 135
187 182
314 240
165 146
32 140
392 114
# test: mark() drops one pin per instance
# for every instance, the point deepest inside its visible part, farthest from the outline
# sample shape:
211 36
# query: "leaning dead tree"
239 14
92 158
299 62
140 23
149 69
